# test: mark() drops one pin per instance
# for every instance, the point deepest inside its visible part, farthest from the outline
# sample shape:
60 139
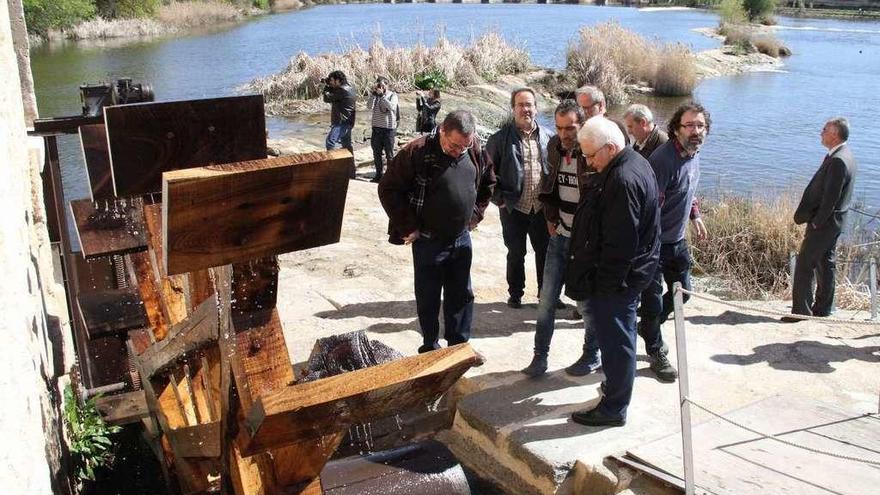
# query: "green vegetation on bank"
45 16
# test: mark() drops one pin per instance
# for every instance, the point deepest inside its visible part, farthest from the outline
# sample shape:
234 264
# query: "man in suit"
823 209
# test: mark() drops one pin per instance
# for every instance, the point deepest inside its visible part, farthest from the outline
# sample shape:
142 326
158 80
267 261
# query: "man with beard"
676 165
560 195
518 152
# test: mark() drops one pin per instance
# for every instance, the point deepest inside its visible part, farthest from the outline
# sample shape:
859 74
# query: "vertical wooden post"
872 286
683 391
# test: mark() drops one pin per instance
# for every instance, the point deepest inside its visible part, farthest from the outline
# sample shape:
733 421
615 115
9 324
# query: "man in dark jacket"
823 208
640 125
435 191
615 245
342 100
518 152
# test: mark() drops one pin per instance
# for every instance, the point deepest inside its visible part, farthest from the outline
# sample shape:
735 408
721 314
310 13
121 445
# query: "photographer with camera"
427 107
386 115
341 97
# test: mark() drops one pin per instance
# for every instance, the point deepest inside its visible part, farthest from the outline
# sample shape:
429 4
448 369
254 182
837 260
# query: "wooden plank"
267 207
307 410
141 268
111 311
263 363
200 287
196 441
109 227
174 289
96 155
737 461
196 332
146 139
63 125
120 409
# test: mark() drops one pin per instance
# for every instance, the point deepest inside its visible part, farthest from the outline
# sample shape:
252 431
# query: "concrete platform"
515 430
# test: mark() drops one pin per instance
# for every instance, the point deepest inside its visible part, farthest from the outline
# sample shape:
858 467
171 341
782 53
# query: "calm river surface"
765 134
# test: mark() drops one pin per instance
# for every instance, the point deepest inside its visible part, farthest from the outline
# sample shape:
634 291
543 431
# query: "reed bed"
485 59
170 18
750 243
611 57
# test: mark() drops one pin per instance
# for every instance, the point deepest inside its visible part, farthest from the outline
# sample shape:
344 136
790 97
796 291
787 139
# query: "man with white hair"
592 100
640 125
615 245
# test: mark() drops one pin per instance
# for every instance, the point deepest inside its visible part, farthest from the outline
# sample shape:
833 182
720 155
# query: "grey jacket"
827 197
504 149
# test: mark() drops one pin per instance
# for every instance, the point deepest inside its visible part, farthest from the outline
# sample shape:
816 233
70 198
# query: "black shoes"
586 364
537 367
595 417
560 305
790 319
661 367
514 302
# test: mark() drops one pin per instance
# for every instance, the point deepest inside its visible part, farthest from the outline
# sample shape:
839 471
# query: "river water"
765 134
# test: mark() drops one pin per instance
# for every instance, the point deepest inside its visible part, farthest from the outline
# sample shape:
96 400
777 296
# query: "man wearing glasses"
613 256
435 191
676 165
518 152
592 100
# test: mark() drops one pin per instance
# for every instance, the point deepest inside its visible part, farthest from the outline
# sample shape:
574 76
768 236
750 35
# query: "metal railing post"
872 286
683 391
792 262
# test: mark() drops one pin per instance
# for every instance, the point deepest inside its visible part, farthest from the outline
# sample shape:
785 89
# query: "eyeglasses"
698 126
591 156
453 146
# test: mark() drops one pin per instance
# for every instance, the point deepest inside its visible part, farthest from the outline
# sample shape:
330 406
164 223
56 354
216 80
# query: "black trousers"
815 261
515 227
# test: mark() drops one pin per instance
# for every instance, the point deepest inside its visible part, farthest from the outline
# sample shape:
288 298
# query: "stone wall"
34 352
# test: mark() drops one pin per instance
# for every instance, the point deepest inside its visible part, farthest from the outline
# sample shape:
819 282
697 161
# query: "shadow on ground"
730 318
490 319
804 355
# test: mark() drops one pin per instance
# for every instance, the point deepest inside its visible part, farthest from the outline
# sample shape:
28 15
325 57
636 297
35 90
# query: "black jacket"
342 104
505 153
615 240
827 197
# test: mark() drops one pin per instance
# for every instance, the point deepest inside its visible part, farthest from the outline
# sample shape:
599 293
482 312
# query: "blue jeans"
339 137
554 277
381 141
515 226
444 265
674 266
613 318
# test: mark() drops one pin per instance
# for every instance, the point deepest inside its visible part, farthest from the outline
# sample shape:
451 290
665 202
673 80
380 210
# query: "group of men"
606 220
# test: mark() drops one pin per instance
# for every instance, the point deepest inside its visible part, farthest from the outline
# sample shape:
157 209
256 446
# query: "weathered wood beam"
96 155
110 311
107 227
146 139
267 207
120 409
201 440
174 288
196 332
308 410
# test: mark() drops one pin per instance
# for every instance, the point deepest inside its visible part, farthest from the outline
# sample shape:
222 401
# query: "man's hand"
551 228
700 227
412 237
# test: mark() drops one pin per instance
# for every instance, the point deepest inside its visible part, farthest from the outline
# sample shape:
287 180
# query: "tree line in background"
42 16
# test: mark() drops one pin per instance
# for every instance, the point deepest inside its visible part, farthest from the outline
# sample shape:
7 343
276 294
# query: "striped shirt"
569 194
384 110
531 153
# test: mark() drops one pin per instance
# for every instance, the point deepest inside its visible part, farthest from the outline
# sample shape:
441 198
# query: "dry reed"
171 18
751 242
611 57
488 57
